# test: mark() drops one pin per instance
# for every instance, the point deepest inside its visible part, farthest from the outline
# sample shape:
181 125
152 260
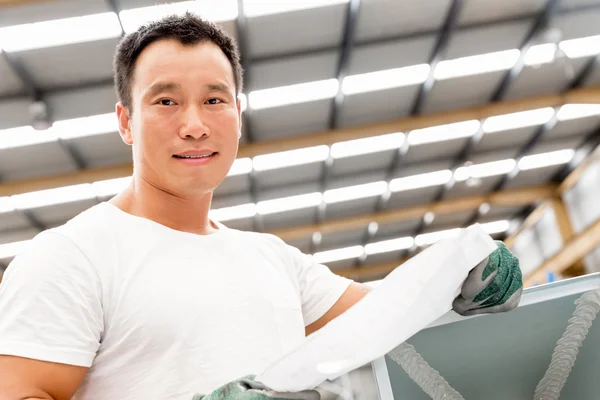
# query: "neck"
187 214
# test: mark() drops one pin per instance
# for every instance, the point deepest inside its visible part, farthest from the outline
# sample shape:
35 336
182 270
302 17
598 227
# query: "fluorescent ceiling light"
24 136
289 203
495 227
546 159
484 170
430 238
9 250
293 94
213 10
290 158
355 192
516 120
59 32
243 101
61 195
479 64
254 8
574 111
369 145
6 205
235 212
338 254
442 133
540 54
420 181
240 166
387 79
581 47
86 126
110 187
387 246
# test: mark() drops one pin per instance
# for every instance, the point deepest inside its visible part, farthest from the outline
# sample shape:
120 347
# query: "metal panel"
486 39
14 113
388 55
234 184
545 79
10 82
385 18
503 139
578 24
293 27
102 150
34 161
434 151
45 11
348 209
293 70
82 103
492 10
462 189
362 163
573 127
289 175
11 222
70 64
381 105
60 213
338 240
518 344
462 92
412 197
291 120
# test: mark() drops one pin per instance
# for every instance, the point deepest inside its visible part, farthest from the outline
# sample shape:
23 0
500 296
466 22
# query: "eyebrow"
160 87
218 87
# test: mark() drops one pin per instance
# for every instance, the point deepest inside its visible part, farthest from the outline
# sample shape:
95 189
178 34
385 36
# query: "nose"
194 125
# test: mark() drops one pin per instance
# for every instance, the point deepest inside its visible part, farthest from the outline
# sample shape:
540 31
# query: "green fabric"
505 282
495 285
246 388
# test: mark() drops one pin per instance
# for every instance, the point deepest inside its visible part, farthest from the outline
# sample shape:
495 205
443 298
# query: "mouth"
195 157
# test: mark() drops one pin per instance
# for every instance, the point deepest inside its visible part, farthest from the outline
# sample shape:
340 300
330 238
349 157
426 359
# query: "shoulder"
83 237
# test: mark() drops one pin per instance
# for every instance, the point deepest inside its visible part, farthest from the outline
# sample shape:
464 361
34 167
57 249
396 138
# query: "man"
144 297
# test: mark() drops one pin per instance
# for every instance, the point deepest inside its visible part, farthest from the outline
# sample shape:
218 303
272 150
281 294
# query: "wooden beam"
574 176
512 197
9 3
532 219
72 178
578 247
583 95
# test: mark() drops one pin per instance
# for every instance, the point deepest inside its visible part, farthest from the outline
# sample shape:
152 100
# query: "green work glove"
494 285
246 388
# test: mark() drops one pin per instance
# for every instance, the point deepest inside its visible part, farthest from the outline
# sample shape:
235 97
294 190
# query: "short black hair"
188 29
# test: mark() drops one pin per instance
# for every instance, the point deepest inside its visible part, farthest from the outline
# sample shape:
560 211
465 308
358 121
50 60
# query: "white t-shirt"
158 313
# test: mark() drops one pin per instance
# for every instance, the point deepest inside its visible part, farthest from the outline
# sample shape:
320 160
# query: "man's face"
185 124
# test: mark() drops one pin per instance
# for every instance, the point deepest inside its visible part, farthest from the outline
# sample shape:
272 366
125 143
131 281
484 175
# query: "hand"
246 388
494 285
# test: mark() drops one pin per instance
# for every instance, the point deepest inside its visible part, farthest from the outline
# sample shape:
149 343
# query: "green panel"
503 356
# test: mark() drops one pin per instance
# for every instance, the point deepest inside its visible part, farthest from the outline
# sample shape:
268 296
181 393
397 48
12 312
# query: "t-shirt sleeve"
320 288
50 303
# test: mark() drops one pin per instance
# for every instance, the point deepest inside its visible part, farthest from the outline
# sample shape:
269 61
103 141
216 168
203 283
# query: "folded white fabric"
406 301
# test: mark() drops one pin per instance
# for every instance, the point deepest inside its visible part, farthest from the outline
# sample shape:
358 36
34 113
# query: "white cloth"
155 312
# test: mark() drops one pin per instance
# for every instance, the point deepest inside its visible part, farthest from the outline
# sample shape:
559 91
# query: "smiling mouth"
194 157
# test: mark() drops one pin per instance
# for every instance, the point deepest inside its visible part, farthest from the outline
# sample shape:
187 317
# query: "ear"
124 123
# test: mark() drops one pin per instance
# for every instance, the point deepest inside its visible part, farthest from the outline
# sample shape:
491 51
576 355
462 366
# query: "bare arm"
28 379
351 296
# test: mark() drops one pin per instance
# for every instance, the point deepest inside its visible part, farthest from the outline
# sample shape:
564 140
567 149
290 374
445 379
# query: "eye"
166 102
214 101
